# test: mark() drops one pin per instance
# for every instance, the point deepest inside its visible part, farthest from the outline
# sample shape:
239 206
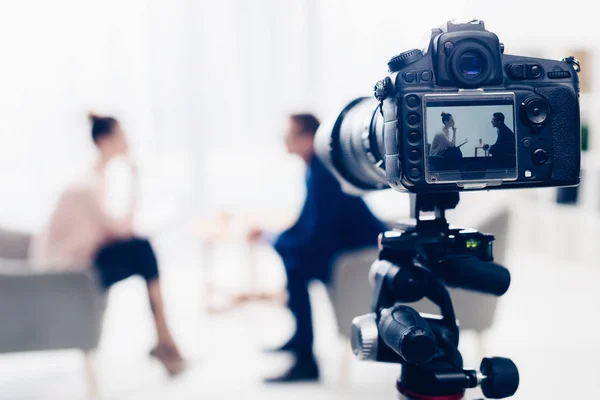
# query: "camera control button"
413 101
527 143
409 77
426 76
535 111
414 138
559 74
415 173
516 71
540 156
448 47
413 119
534 71
414 155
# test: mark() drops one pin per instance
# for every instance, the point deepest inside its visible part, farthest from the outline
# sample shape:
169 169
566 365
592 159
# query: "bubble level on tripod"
472 244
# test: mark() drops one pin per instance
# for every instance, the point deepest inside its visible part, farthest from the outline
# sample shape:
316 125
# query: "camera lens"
352 146
470 64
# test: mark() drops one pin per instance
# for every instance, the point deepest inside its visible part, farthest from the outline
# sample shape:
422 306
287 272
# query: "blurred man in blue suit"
330 223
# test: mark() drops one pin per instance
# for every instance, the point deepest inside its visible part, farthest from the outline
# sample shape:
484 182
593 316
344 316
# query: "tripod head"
418 261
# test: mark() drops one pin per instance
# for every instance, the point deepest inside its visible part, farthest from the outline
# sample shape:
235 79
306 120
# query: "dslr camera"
457 115
460 115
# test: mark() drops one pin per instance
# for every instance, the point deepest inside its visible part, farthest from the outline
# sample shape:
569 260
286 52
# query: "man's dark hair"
308 122
499 117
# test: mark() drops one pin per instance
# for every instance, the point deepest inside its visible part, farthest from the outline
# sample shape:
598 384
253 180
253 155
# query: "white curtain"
62 59
202 88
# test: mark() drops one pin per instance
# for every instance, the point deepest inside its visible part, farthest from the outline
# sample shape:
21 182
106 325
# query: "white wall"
61 59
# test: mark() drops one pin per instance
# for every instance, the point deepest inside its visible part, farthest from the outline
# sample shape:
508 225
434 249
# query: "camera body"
463 115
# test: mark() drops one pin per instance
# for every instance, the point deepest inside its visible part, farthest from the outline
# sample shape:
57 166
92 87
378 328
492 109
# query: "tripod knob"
408 334
501 377
364 337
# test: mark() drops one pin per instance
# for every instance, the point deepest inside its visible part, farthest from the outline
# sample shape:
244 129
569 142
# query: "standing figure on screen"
505 144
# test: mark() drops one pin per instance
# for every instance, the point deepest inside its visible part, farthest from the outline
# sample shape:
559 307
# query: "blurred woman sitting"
82 233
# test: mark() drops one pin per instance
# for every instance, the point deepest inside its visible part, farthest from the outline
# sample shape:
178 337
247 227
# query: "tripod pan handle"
408 334
501 377
476 275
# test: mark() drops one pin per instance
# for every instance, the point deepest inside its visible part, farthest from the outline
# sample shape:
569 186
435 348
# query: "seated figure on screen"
442 141
443 152
505 144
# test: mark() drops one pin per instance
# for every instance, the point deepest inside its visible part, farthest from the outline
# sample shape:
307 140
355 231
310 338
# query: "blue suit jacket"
330 222
505 144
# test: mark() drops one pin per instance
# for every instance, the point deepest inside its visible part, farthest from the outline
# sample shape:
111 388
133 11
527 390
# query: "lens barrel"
352 146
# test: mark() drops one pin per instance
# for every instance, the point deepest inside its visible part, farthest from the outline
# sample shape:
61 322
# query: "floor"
548 323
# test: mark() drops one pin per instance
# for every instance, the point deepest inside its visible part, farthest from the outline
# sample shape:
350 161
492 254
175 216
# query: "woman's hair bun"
92 116
101 125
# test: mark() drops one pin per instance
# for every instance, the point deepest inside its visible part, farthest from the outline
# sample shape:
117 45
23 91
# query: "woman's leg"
120 260
149 271
160 320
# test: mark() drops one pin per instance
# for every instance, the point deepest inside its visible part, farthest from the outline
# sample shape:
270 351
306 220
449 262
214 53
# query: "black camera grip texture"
475 275
566 132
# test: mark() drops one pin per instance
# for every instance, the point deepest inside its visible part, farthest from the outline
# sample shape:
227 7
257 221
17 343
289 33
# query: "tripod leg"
345 368
480 341
90 376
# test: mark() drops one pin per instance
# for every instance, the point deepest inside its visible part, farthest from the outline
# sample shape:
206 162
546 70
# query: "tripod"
419 261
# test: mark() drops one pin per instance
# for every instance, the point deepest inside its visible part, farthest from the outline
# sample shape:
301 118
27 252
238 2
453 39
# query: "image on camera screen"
470 139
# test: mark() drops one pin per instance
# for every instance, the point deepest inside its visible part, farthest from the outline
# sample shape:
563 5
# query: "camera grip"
566 131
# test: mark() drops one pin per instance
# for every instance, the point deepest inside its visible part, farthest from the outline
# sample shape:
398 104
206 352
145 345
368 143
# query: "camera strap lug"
574 63
383 89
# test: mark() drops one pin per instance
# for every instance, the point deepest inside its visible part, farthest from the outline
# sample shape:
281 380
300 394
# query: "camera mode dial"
403 59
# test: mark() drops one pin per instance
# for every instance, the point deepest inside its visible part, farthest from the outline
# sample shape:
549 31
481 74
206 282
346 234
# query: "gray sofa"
46 310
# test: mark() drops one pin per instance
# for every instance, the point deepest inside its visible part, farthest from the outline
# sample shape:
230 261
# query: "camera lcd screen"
470 138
